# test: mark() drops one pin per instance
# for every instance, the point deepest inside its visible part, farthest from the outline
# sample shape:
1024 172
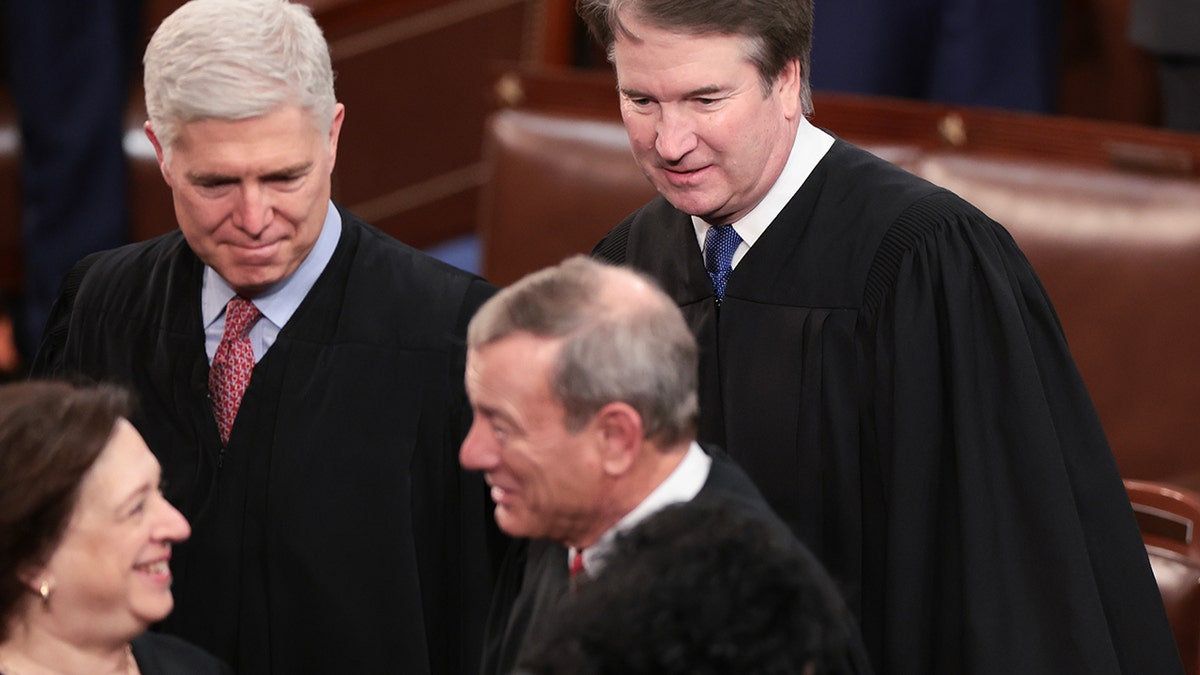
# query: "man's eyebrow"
492 414
290 171
215 177
210 177
702 91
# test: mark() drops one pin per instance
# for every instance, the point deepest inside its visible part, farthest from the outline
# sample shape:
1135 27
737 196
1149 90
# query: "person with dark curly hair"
696 588
582 378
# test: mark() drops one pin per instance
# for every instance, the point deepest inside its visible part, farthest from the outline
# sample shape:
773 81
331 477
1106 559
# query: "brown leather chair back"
555 186
1108 214
1168 517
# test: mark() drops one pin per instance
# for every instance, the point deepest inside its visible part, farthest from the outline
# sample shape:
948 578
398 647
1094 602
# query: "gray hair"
781 30
616 346
233 60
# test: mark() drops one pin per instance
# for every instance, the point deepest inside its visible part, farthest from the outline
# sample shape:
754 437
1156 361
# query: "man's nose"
477 452
675 135
254 211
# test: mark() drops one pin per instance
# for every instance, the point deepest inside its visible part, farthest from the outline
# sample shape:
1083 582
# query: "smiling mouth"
256 246
157 567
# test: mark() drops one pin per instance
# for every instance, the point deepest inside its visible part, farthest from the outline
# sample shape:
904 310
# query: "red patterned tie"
232 364
577 564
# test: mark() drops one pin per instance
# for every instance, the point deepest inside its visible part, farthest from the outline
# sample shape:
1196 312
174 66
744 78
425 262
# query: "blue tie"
719 244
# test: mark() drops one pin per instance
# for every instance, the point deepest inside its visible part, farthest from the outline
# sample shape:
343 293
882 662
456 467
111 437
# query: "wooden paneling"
413 87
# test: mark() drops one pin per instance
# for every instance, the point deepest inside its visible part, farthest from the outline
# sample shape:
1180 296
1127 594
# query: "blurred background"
419 77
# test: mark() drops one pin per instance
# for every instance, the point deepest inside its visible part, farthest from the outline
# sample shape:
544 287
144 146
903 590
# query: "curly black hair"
696 589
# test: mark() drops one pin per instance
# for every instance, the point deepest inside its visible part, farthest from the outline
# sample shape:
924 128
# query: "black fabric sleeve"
1005 504
50 360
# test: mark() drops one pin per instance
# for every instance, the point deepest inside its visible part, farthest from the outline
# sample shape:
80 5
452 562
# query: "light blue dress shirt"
278 303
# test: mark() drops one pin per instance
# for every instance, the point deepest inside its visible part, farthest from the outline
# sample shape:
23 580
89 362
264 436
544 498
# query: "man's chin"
691 202
252 282
513 525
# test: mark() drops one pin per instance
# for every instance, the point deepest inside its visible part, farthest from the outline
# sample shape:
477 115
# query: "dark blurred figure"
991 53
697 588
1170 30
69 68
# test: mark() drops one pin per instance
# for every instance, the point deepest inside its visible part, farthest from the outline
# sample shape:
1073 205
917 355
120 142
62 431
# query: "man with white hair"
299 372
583 381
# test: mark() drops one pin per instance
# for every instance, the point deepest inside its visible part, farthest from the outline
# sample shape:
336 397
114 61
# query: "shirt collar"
682 485
808 149
280 301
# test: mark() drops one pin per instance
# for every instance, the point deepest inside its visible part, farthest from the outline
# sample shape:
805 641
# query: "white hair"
233 60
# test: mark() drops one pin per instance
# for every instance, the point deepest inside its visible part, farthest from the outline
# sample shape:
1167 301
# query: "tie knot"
240 316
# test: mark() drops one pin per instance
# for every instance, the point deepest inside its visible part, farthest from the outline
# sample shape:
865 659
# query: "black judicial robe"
888 369
533 579
158 654
337 532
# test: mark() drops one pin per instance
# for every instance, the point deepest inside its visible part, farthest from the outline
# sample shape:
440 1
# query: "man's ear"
335 131
158 152
620 430
788 85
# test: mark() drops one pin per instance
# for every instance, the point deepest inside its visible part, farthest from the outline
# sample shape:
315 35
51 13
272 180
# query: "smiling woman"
85 538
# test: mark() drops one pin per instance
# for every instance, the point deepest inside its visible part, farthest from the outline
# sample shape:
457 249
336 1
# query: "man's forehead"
288 118
254 146
680 53
519 347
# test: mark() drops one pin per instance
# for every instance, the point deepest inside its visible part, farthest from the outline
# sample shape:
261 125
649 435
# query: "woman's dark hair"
700 588
50 436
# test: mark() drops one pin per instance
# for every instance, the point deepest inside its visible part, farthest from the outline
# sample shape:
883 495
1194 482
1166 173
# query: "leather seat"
1168 516
1108 214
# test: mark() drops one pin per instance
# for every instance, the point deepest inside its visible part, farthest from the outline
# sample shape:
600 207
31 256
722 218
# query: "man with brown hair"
879 356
